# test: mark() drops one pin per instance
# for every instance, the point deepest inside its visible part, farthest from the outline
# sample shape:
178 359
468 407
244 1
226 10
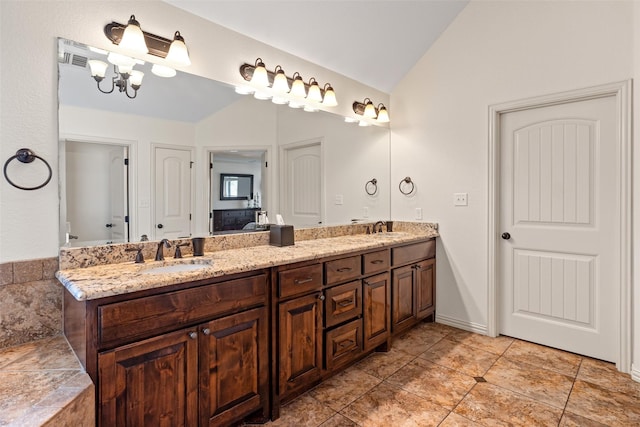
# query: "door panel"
118 192
172 193
559 283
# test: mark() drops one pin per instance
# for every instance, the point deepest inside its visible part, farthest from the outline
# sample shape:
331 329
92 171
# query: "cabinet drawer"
343 302
342 269
142 317
413 252
343 344
375 262
300 280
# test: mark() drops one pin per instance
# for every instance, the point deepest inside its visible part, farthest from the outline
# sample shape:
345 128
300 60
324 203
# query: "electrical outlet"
339 199
460 199
365 212
418 213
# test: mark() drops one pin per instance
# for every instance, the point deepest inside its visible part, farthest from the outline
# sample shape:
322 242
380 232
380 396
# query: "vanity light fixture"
124 76
275 85
367 110
131 38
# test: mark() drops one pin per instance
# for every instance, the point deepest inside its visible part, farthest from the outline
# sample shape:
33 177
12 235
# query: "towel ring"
25 155
406 180
371 187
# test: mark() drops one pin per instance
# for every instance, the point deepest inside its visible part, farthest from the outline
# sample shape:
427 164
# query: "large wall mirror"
150 166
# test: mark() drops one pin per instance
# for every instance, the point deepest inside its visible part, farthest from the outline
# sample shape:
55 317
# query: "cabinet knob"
206 331
193 335
321 297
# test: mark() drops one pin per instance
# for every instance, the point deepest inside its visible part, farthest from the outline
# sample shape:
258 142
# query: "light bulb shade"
163 71
362 123
310 108
262 95
260 77
280 82
98 68
370 111
297 88
295 104
383 114
133 38
120 59
279 100
178 54
244 90
329 97
314 91
136 78
125 69
350 120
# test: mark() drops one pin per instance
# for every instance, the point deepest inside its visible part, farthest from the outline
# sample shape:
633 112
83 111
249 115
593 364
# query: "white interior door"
118 194
301 187
172 193
559 200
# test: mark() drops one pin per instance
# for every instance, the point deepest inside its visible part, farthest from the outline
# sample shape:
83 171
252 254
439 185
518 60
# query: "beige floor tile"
435 383
488 404
573 420
603 405
338 421
532 381
417 341
546 357
303 411
497 345
460 357
343 388
455 420
607 376
383 364
386 406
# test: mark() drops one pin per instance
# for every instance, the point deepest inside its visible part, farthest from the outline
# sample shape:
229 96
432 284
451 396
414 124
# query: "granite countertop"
116 279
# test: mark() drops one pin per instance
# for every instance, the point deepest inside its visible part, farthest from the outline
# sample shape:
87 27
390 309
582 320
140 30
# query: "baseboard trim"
635 372
462 324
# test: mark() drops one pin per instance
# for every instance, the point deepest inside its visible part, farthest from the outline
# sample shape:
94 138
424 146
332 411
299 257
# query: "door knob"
160 225
109 225
506 236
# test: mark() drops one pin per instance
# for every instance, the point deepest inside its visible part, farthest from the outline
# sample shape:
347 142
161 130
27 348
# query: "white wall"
494 52
28 84
252 167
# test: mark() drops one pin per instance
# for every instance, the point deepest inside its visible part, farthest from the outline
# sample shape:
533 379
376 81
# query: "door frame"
622 93
152 177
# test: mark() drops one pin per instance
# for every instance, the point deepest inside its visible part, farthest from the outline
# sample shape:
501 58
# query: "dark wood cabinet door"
233 366
425 287
343 344
377 313
300 347
150 383
403 304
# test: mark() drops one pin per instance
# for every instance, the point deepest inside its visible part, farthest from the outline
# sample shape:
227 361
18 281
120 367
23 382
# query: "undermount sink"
177 266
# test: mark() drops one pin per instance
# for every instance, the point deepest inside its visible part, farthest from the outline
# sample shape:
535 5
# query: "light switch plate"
418 213
365 212
460 199
339 199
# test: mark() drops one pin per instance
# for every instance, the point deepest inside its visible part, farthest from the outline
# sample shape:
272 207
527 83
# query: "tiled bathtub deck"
43 384
436 375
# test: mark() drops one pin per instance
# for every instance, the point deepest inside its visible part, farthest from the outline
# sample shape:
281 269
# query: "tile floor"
436 375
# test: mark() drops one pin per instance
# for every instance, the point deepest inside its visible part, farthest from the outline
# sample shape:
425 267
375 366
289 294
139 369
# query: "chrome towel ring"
406 181
25 155
371 187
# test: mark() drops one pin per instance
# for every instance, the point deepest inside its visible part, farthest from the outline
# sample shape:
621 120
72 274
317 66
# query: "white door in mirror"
172 192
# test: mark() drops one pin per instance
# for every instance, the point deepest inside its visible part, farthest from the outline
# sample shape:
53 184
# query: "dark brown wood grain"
376 293
376 262
343 302
343 269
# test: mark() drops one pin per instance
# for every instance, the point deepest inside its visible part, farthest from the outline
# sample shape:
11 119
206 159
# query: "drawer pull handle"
206 331
344 269
346 343
301 281
193 335
377 261
346 302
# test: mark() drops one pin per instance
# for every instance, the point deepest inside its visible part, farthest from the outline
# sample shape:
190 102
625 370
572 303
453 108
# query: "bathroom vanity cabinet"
192 356
216 351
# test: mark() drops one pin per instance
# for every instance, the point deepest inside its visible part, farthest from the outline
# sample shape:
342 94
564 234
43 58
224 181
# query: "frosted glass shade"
370 111
125 69
280 83
329 98
363 123
136 78
383 115
98 68
260 77
314 92
120 59
178 54
163 71
297 88
133 38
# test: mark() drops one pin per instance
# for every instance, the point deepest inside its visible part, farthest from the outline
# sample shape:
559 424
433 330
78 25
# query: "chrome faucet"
378 224
160 251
